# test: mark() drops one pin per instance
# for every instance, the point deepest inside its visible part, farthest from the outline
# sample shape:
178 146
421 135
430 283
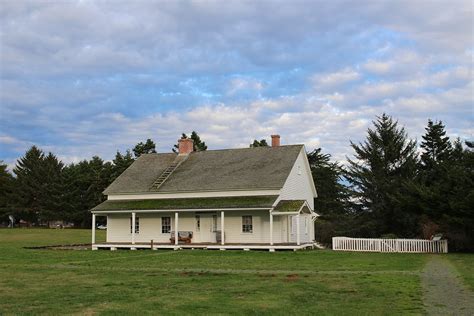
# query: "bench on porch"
184 236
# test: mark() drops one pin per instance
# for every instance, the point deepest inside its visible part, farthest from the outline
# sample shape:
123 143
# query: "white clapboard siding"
389 245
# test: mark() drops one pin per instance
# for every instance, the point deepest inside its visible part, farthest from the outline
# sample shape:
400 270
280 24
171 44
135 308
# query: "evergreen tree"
39 186
149 147
85 183
261 143
445 191
436 145
433 177
199 145
328 177
120 164
29 193
6 189
332 201
384 166
53 186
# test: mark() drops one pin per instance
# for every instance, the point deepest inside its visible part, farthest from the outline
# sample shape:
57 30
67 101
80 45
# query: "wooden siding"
118 227
298 185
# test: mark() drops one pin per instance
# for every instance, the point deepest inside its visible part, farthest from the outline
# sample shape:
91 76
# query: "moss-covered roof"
289 205
211 170
263 201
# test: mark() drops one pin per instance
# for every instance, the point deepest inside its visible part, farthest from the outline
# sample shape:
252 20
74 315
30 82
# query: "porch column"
176 233
93 228
133 228
222 227
298 242
271 228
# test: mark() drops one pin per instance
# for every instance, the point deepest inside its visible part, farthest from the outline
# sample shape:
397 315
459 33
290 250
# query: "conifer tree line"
390 185
43 189
393 188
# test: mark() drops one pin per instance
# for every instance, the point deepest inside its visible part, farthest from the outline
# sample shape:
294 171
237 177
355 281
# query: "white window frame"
246 227
163 226
137 225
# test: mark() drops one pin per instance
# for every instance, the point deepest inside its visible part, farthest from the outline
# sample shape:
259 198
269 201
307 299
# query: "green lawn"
464 263
39 281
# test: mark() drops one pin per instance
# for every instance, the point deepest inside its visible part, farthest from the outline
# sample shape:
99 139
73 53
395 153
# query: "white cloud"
5 139
89 78
335 79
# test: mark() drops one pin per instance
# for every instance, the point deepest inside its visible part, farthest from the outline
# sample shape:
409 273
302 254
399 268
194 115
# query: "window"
247 226
305 225
137 225
198 222
214 223
165 225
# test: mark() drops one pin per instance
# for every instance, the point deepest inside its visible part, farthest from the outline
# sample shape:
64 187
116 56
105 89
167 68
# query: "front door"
206 230
293 227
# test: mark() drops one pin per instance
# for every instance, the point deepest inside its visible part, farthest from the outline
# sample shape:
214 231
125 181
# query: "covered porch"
193 246
246 223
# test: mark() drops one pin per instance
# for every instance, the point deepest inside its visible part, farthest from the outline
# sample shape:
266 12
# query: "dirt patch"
444 292
292 277
63 247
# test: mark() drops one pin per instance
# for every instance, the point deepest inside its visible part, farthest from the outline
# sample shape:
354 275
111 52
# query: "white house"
249 198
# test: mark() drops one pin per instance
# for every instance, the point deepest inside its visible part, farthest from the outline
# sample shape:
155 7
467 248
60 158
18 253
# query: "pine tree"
120 164
446 187
433 177
332 194
261 143
332 201
199 145
384 165
436 145
85 183
7 183
29 194
149 147
53 185
39 186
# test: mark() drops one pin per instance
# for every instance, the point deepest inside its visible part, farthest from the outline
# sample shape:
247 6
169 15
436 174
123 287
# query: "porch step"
168 171
318 245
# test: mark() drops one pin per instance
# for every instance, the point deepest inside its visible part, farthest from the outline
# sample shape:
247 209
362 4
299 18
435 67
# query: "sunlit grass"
40 281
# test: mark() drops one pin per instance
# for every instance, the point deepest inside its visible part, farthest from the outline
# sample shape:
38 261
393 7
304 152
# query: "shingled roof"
262 201
212 170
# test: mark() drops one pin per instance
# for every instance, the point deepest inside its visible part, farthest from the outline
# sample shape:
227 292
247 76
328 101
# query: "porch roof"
292 206
244 202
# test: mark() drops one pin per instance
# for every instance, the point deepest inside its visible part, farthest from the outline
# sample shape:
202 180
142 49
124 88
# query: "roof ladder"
168 171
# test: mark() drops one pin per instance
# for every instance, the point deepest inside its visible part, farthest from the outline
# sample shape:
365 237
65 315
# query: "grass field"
40 281
464 264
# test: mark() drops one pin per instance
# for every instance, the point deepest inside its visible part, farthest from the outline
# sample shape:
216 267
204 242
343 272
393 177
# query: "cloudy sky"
84 78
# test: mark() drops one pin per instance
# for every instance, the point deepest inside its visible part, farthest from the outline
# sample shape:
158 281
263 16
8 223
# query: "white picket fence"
389 245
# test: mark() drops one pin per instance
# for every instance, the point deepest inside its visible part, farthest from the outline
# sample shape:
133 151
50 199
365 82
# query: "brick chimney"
275 140
186 146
